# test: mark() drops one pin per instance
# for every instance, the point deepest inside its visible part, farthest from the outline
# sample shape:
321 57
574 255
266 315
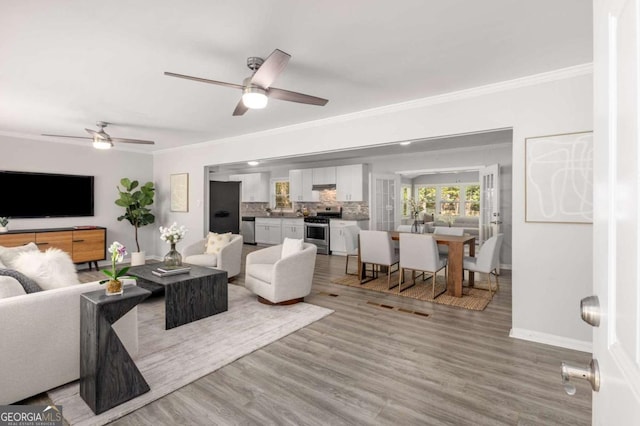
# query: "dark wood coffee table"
187 297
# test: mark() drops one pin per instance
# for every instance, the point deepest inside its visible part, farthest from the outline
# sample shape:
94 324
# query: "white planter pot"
4 229
138 258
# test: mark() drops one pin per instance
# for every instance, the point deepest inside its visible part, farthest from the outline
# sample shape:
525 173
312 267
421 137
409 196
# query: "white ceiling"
67 64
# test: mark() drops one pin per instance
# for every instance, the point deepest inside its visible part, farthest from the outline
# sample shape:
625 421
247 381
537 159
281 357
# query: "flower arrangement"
172 234
415 208
118 251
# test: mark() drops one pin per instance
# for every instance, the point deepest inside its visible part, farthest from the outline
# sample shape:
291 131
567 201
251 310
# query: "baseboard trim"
551 339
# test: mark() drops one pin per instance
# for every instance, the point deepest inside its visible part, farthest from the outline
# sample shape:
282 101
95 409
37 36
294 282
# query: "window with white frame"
405 192
459 199
280 198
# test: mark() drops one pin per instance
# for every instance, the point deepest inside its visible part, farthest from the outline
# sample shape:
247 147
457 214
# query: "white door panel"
490 219
616 342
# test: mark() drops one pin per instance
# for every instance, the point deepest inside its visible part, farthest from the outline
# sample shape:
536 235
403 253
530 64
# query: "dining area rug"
473 298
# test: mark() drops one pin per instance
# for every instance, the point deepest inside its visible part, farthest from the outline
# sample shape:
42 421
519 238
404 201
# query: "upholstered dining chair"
487 261
419 253
350 235
377 249
443 249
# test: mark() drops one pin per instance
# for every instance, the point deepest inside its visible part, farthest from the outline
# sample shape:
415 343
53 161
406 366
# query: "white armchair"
228 259
278 280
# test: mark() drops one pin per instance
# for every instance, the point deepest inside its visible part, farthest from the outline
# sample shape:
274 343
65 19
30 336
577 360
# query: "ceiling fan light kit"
101 143
254 97
101 139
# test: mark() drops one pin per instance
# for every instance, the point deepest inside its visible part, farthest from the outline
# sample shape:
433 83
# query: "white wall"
108 167
551 262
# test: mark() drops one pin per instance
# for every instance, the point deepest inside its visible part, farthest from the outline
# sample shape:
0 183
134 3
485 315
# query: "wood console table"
108 375
83 245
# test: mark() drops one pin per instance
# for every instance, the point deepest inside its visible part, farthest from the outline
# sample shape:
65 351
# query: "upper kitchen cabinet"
255 187
352 183
300 185
324 176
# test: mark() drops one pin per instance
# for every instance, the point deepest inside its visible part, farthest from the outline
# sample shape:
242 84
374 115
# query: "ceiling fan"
101 139
256 89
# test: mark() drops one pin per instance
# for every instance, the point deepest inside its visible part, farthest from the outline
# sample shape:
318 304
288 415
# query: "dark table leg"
190 300
108 375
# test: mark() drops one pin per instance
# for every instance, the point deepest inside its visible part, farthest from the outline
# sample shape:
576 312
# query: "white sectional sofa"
40 331
40 335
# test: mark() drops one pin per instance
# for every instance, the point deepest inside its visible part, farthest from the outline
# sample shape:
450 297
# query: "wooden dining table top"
440 238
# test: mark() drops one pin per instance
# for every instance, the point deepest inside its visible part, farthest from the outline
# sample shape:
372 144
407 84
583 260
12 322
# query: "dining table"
455 257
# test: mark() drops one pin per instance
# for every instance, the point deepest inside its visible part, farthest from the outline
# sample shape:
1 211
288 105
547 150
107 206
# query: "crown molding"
532 80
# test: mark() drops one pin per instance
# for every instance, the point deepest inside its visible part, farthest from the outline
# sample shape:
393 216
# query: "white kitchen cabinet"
254 188
352 183
292 228
337 234
268 231
324 176
300 186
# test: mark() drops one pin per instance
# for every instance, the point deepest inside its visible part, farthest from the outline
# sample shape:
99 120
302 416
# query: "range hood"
322 187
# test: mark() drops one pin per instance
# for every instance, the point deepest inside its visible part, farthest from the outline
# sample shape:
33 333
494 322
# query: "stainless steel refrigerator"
224 207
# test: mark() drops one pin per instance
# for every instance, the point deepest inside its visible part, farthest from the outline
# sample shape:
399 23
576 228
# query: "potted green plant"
4 221
136 203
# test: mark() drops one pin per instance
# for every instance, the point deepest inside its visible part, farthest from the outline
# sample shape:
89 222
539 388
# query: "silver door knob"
590 373
590 310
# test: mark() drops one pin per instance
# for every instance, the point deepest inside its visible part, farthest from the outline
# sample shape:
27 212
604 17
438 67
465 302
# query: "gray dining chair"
443 249
487 261
376 248
419 253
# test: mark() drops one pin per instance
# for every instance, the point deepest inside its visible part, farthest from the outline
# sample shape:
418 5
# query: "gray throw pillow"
29 285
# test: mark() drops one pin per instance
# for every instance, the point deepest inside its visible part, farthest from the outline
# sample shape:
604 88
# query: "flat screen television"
41 195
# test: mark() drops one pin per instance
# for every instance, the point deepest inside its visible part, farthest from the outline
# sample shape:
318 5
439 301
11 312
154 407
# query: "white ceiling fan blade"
270 69
137 141
287 95
204 80
241 108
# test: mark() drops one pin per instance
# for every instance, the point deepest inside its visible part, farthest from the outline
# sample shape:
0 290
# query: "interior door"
616 342
224 207
490 219
384 202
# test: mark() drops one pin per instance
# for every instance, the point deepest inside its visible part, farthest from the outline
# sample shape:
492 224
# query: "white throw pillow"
291 246
10 287
9 254
50 269
216 242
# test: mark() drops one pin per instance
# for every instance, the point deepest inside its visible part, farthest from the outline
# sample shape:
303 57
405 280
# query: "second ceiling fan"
256 89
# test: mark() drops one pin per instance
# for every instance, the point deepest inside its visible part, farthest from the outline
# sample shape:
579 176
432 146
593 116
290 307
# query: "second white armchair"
229 258
279 280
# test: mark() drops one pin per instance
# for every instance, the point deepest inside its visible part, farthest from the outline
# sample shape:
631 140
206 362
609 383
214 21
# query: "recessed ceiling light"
253 163
405 143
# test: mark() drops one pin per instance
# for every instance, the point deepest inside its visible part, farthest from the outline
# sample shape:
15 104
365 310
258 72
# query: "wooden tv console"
84 245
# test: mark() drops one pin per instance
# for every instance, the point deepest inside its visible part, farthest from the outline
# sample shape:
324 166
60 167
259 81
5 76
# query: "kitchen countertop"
354 217
293 216
275 216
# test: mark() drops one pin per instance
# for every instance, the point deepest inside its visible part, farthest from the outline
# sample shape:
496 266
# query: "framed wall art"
180 192
559 178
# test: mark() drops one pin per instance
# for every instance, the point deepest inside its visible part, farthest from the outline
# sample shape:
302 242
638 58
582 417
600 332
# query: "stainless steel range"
316 228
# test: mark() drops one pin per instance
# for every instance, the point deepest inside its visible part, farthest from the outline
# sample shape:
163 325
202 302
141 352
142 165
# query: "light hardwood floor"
366 364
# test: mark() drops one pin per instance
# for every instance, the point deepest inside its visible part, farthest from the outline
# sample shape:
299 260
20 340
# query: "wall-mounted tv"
38 195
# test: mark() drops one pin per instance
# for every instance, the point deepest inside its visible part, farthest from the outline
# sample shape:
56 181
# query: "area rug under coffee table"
475 299
171 359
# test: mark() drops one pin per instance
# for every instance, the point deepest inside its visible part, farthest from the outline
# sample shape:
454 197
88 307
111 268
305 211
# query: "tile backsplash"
349 208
